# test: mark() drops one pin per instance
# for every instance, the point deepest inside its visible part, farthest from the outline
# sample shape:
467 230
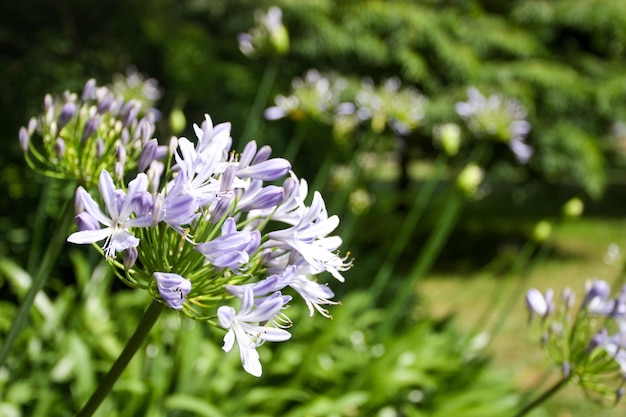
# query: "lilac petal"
274 113
269 170
267 197
85 221
89 236
91 207
225 315
273 334
135 188
536 302
108 192
262 155
248 154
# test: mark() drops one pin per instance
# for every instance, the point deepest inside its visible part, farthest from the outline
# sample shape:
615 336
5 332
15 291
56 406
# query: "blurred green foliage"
429 370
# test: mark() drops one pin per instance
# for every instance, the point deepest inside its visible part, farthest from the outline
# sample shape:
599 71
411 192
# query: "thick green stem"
149 319
39 281
543 397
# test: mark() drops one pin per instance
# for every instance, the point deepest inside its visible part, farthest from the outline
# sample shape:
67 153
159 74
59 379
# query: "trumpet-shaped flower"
120 218
173 288
232 249
244 327
309 238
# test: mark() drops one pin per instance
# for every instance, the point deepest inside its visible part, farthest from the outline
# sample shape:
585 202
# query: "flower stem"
260 99
543 397
426 259
406 231
148 320
39 280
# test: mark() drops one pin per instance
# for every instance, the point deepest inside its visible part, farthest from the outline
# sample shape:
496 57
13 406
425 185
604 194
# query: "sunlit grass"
580 250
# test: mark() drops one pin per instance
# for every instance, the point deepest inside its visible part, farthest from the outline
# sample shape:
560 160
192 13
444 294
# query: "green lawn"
580 248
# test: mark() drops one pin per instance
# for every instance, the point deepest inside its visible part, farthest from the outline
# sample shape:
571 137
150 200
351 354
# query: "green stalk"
406 230
148 320
52 252
509 304
435 243
260 99
34 254
543 397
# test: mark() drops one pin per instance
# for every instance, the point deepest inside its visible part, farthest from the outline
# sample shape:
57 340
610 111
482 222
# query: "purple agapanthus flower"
232 249
245 328
173 288
120 218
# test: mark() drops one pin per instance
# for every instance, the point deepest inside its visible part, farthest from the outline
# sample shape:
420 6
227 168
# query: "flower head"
588 344
194 234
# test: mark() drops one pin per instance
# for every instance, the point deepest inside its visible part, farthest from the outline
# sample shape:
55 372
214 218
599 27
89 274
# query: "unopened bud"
542 231
59 148
24 138
177 121
99 147
148 154
120 153
32 125
449 135
67 112
119 170
89 91
90 127
470 178
573 208
130 257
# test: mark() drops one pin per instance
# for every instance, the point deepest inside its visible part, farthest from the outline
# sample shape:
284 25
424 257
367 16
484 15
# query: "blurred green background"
563 60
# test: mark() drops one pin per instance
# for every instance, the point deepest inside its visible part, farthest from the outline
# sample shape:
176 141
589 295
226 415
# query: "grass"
580 254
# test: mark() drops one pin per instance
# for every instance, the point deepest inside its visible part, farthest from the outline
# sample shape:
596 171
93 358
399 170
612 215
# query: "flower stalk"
148 321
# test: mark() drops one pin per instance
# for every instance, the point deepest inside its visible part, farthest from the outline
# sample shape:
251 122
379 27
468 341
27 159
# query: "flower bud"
32 125
470 178
542 231
449 135
59 148
177 121
99 147
574 208
90 128
536 303
130 258
148 154
89 91
120 153
24 139
67 112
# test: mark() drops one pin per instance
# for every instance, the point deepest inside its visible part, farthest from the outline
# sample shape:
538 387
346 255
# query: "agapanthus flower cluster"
497 117
134 86
401 108
223 237
269 35
77 137
316 96
587 343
